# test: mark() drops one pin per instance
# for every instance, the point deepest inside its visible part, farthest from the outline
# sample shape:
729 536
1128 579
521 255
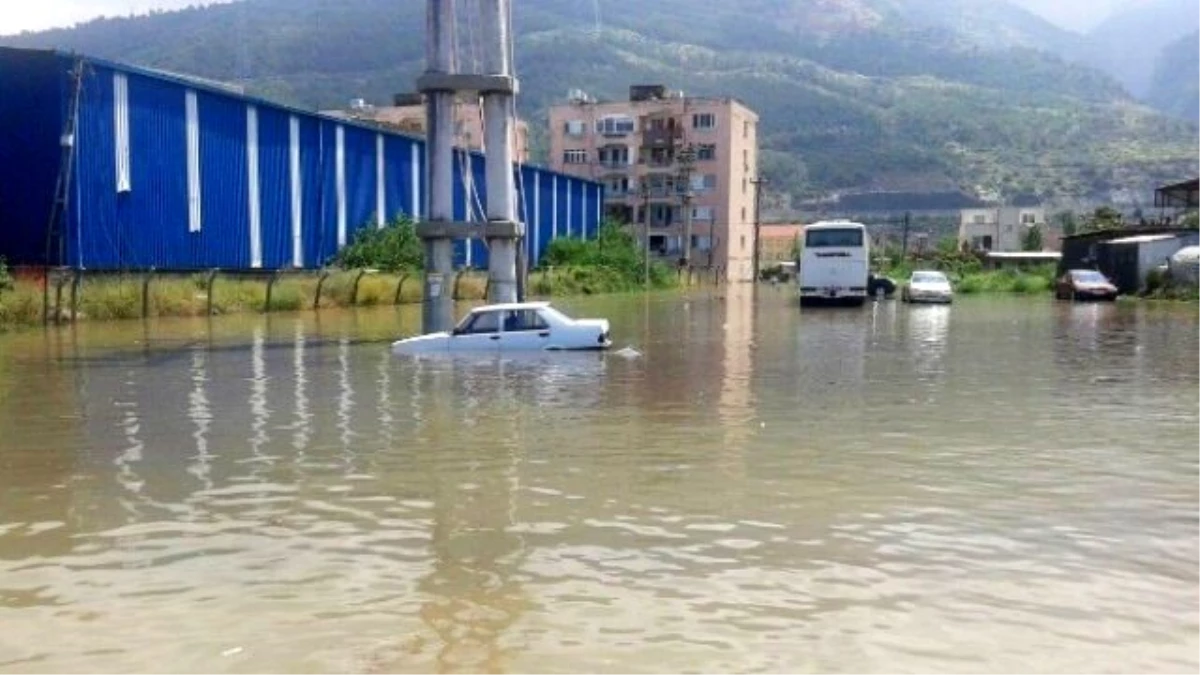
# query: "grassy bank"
115 298
968 275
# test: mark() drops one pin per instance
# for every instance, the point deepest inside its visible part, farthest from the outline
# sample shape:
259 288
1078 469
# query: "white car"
526 326
927 286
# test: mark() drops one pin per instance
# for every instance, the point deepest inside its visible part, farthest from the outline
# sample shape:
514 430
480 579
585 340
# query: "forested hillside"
854 95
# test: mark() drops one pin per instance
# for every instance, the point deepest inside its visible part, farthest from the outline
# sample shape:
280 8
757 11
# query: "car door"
479 334
524 330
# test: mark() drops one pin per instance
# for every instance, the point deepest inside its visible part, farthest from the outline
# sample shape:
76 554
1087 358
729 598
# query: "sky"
22 15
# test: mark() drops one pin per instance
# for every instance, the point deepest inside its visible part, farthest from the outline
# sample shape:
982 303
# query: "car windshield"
928 278
1089 276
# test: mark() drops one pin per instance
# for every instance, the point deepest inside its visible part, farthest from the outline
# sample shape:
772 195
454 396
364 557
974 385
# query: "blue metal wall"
31 101
148 225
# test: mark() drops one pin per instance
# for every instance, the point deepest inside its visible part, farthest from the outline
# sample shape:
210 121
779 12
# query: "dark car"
1084 285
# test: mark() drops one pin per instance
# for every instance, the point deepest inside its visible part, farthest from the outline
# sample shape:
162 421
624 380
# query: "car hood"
421 339
1095 286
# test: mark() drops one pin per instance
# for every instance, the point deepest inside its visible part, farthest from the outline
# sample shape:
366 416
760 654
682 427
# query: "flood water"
1000 485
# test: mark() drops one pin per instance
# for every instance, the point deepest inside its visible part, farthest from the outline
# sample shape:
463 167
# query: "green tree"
1031 240
1067 222
1104 218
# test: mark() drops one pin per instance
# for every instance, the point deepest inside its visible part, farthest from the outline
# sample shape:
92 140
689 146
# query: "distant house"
1178 198
1000 228
777 242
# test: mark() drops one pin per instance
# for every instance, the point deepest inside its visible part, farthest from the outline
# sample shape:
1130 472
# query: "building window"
702 213
614 155
619 125
575 157
746 159
745 185
704 121
706 152
704 183
980 220
743 214
746 129
743 238
575 127
1028 218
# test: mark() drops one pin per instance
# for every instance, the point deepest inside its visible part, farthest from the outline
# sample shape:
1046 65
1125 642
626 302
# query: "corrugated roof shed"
173 172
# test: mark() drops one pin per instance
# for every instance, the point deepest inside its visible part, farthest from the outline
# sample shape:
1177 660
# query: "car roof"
510 306
938 272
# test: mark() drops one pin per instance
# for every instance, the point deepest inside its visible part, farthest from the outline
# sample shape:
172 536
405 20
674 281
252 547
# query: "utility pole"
644 193
758 184
687 162
441 83
904 238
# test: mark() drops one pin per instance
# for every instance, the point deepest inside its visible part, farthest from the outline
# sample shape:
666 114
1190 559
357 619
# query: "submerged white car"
526 326
927 286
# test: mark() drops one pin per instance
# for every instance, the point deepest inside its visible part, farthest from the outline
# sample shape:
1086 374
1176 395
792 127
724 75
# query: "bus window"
847 238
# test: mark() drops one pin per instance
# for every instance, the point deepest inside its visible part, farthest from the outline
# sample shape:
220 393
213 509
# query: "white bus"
834 263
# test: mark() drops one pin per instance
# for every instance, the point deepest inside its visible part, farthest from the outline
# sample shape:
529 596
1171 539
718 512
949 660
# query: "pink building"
634 147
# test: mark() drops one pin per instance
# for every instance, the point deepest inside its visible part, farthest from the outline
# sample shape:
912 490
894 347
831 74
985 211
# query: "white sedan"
927 286
526 326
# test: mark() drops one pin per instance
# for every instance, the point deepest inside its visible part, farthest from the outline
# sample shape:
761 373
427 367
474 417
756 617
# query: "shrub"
393 248
616 249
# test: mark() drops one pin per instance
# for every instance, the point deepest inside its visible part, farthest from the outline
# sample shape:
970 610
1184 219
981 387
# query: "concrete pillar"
498 137
437 312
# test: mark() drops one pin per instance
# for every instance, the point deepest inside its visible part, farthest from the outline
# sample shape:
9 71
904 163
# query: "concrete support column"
498 137
437 312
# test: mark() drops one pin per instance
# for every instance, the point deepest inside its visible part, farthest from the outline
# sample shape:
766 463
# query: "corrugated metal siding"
274 175
31 105
148 225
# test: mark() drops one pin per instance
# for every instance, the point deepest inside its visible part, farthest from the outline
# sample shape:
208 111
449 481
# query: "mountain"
855 95
1129 43
1175 86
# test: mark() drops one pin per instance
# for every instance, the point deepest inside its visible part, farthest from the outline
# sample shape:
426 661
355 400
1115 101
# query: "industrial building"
407 115
658 147
108 166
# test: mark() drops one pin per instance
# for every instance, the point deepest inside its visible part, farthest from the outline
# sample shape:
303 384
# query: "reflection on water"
896 488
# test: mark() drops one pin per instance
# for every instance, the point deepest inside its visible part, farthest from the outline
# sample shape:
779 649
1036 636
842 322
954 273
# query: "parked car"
528 326
927 286
1084 285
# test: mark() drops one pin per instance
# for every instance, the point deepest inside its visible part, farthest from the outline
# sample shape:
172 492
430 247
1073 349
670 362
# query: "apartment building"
999 228
407 114
635 148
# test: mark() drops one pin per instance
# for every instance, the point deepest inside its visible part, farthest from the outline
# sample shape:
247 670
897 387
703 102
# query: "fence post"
354 290
270 288
457 280
146 292
58 291
208 288
320 285
78 278
399 288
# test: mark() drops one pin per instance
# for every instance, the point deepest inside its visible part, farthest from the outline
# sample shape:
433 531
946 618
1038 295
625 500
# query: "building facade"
634 148
1000 228
407 115
166 172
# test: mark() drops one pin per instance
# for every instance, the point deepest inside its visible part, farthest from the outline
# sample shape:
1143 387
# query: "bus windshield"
830 238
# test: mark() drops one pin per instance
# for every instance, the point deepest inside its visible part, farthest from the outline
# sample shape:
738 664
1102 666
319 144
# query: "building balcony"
662 138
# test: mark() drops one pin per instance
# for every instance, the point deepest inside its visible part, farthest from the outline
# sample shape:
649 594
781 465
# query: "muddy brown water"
999 485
